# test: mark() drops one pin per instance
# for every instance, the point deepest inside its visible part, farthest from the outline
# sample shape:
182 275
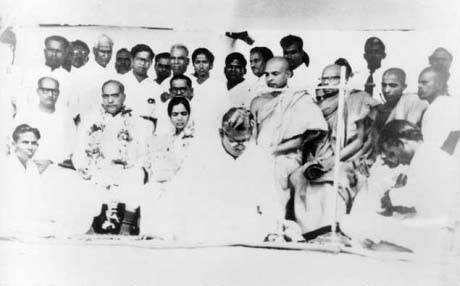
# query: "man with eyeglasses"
79 54
229 194
54 122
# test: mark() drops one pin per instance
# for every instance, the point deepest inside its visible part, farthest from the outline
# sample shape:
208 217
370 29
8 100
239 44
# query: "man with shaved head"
398 105
282 117
443 114
441 59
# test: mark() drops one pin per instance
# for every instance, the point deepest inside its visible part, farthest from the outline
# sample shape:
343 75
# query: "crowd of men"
261 163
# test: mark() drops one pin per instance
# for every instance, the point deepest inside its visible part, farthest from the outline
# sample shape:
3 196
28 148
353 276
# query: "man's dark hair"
123 50
290 40
265 52
236 56
373 41
81 44
120 85
203 51
23 128
394 131
400 73
176 100
142 48
59 39
164 55
344 63
183 77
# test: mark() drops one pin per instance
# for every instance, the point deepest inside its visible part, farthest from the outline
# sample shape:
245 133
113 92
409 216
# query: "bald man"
282 117
398 105
441 59
443 114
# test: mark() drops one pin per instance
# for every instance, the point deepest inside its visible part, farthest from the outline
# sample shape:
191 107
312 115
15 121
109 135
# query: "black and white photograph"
229 142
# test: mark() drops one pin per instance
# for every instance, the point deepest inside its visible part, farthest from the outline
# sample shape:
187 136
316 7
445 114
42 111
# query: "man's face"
102 54
235 145
277 74
235 71
26 146
330 76
440 59
123 62
179 61
374 54
429 86
55 53
48 92
79 56
393 155
202 66
163 68
179 87
141 63
294 55
257 64
392 87
112 98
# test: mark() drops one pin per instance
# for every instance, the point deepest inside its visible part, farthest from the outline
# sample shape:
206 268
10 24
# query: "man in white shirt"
55 123
238 87
258 58
144 95
162 67
443 113
298 61
179 63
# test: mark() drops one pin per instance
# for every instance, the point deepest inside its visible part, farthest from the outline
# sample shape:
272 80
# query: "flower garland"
95 134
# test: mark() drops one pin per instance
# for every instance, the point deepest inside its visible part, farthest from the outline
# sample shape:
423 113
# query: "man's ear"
187 61
384 55
244 70
290 72
221 132
211 66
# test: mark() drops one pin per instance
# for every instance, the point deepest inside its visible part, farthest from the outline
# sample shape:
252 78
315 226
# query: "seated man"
227 195
111 142
282 117
416 215
35 204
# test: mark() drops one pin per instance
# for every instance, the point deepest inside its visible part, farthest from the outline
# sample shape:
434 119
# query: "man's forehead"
333 70
238 135
179 83
235 62
178 52
201 57
104 47
111 88
391 77
48 83
292 47
55 44
123 54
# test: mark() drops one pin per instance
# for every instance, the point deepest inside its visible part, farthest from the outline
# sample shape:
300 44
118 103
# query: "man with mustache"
238 87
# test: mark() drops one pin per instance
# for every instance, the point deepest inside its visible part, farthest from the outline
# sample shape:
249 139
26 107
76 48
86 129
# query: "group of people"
185 155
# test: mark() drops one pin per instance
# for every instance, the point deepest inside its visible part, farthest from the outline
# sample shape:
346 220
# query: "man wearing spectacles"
55 123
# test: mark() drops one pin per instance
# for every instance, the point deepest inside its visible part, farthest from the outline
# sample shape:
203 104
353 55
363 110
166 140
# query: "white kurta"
241 95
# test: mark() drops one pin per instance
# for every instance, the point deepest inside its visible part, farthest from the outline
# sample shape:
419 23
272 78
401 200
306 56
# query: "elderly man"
443 112
56 51
162 67
56 125
123 61
179 59
111 142
102 50
298 61
283 116
79 54
234 181
238 87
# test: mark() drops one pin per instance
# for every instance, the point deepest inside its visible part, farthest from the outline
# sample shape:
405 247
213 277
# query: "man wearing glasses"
55 124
